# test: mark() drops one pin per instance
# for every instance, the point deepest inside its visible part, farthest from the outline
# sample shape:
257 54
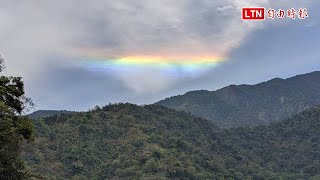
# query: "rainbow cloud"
149 72
164 63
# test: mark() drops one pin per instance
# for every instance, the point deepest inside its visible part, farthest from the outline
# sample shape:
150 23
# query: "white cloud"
147 81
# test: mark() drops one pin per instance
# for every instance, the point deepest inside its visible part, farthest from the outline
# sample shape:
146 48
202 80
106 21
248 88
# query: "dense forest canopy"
127 141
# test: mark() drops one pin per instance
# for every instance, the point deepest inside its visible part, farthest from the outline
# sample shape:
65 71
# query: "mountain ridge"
249 105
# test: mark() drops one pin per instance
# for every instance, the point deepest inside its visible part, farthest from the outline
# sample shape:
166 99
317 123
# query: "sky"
75 54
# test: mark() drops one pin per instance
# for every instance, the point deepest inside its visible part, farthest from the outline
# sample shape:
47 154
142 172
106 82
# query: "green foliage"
249 105
13 127
126 141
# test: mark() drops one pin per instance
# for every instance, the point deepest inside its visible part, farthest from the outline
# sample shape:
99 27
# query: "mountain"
47 113
291 147
126 141
248 105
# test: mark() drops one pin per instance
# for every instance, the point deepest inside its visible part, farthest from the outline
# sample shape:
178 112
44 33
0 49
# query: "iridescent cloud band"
187 63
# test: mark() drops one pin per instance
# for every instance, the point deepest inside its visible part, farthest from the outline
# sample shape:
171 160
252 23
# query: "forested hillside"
243 105
47 113
290 148
126 141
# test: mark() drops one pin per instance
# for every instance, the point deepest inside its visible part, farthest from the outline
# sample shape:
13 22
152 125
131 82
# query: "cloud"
162 27
147 81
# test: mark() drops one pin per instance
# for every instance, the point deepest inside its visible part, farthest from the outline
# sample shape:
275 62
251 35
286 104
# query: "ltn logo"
256 13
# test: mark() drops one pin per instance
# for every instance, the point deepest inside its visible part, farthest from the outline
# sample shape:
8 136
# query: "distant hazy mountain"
241 105
47 113
126 141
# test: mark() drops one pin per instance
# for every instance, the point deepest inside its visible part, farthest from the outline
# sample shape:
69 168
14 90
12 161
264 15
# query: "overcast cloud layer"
45 42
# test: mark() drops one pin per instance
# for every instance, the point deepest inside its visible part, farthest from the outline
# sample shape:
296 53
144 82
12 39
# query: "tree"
14 127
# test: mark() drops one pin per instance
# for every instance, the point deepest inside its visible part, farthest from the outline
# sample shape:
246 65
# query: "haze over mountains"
243 105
